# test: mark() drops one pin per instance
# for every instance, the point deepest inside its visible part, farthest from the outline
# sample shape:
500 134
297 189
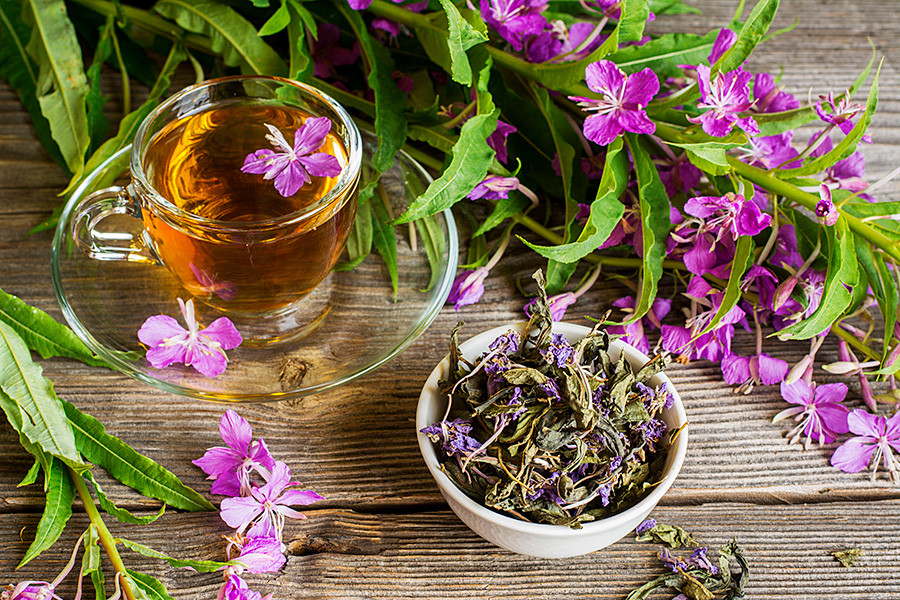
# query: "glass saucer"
348 326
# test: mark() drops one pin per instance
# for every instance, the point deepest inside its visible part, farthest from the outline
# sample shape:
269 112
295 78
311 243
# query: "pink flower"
725 97
821 416
826 211
267 506
293 167
467 288
747 371
877 437
260 555
514 20
203 349
622 106
230 465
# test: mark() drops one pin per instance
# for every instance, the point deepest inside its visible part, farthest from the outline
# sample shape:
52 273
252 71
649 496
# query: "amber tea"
244 248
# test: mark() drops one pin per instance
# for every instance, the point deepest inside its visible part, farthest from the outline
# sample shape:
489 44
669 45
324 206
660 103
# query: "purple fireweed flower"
226 290
453 436
748 371
497 140
328 54
768 98
732 214
560 352
673 562
772 152
842 112
558 305
633 333
820 415
764 281
785 253
698 559
43 590
876 440
714 345
294 166
645 526
557 43
259 555
267 506
495 187
611 9
235 588
203 349
508 342
231 465
725 97
678 174
621 107
723 43
514 20
467 288
826 211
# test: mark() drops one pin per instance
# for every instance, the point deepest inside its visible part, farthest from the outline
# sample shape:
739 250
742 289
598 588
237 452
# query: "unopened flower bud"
799 370
826 211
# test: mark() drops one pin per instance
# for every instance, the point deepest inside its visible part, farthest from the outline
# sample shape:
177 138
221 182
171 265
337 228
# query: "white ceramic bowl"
537 539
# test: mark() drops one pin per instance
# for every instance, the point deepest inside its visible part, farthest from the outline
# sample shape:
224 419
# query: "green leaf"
90 561
301 66
57 509
438 138
655 224
390 122
120 513
17 70
32 474
843 148
503 209
15 418
633 19
359 242
62 86
462 36
560 76
42 333
203 566
884 288
128 466
606 210
384 240
431 235
43 420
97 123
751 33
842 274
471 159
231 36
712 160
665 53
743 255
278 21
558 274
148 587
564 145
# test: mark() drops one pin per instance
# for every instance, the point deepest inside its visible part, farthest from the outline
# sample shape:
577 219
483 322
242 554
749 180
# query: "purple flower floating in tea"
293 166
201 348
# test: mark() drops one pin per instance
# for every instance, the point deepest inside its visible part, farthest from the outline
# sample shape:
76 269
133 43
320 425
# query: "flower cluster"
260 495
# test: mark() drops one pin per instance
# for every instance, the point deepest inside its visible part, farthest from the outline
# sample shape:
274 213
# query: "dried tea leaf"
848 557
670 535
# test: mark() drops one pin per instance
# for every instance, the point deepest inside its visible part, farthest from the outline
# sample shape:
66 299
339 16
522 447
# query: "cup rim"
349 176
545 530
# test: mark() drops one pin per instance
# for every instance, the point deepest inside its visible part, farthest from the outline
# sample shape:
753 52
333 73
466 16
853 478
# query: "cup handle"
110 244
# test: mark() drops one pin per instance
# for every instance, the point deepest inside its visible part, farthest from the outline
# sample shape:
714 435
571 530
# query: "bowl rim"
447 486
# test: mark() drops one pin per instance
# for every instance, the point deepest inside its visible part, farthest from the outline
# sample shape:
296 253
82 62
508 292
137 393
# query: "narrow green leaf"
884 288
565 151
42 333
711 160
558 274
606 210
438 138
15 418
148 587
128 466
32 474
471 159
62 86
665 53
846 146
359 242
43 420
301 66
57 509
655 224
390 122
278 21
90 560
842 274
504 208
121 514
203 566
752 32
18 71
97 123
384 240
231 36
432 237
743 254
462 36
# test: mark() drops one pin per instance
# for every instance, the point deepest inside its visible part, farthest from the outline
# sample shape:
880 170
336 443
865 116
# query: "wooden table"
383 530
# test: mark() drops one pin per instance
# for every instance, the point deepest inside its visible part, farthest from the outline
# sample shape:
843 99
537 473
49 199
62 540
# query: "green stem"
852 340
106 538
612 261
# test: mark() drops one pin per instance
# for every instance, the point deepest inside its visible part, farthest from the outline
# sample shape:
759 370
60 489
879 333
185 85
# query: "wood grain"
383 530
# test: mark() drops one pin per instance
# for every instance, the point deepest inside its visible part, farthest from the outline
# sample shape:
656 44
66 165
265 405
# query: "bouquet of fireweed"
569 126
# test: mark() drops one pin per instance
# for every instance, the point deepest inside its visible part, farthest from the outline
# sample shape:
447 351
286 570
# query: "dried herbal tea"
549 432
698 577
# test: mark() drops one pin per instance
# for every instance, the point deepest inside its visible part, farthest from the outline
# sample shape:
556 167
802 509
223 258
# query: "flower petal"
158 329
223 331
641 87
219 460
207 360
239 512
798 392
234 429
831 392
735 369
311 135
602 129
862 422
164 355
772 370
604 76
853 455
291 179
298 497
321 164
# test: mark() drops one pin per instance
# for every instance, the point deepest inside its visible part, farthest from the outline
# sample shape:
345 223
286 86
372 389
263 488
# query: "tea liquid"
195 163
